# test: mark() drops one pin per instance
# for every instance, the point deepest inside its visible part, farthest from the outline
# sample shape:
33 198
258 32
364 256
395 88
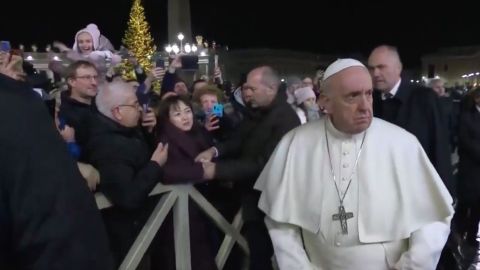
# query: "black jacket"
469 153
127 175
122 156
244 155
79 116
418 110
48 217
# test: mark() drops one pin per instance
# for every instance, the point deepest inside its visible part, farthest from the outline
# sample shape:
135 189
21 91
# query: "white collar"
394 90
339 134
478 108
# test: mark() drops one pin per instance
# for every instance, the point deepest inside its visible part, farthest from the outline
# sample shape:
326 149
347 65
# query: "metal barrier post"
141 244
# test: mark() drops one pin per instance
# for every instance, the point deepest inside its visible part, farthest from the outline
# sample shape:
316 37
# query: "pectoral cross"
343 217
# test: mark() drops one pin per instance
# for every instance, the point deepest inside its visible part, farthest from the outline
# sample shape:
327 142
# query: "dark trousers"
467 218
260 245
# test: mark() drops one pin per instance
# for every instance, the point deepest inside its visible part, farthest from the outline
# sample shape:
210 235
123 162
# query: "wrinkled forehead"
350 79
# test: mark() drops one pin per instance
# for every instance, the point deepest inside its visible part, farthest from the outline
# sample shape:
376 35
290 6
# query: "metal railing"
177 197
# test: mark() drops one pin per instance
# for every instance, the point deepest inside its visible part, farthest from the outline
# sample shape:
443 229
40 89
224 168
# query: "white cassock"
401 208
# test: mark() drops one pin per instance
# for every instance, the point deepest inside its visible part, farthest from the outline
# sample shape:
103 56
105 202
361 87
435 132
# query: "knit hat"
339 65
92 29
302 94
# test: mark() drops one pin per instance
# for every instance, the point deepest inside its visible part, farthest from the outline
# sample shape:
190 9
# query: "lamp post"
175 49
181 37
188 48
168 48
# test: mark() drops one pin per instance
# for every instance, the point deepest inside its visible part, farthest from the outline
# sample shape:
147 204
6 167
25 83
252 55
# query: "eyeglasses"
136 105
87 77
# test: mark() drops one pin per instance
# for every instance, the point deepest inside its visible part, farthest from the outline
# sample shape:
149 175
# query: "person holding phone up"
210 113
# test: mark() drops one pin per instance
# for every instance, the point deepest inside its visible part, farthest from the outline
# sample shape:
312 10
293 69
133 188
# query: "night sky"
345 27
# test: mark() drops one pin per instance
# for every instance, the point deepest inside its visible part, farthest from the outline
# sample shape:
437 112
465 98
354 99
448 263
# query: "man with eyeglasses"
77 104
120 150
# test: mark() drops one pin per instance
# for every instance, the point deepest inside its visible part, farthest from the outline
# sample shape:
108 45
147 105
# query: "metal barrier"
176 197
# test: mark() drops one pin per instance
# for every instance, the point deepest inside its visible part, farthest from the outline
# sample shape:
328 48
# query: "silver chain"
331 165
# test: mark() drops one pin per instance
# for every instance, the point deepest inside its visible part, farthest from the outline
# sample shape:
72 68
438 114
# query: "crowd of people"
352 167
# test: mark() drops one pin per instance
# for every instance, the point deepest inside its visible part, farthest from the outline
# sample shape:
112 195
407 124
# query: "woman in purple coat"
186 139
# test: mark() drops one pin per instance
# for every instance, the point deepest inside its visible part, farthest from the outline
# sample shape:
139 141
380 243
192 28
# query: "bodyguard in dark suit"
469 170
412 107
48 217
243 157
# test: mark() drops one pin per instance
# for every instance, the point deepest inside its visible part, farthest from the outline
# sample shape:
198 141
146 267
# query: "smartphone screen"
217 110
189 62
160 62
5 46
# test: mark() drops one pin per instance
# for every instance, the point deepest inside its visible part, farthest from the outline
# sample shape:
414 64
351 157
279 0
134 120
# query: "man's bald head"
268 76
385 67
264 83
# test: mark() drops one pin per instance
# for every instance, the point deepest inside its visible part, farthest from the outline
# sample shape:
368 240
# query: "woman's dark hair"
171 102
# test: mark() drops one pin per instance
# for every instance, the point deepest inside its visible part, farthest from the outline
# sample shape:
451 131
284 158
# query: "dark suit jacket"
243 157
48 217
469 152
418 110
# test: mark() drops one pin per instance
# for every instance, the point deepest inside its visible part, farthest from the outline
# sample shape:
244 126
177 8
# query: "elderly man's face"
439 88
130 111
348 100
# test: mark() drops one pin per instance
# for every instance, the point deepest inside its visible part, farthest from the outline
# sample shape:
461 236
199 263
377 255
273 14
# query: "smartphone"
5 46
189 62
217 110
160 62
61 123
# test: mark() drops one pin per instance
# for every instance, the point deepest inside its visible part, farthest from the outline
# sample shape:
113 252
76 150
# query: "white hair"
435 80
111 95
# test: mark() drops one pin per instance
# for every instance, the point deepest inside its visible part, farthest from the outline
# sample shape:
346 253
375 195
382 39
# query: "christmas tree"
139 42
138 39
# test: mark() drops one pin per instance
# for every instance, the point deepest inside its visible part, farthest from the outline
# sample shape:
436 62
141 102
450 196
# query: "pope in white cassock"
351 191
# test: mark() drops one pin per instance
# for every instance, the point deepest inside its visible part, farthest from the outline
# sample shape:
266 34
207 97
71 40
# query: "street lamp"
181 37
188 48
168 49
194 48
175 49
